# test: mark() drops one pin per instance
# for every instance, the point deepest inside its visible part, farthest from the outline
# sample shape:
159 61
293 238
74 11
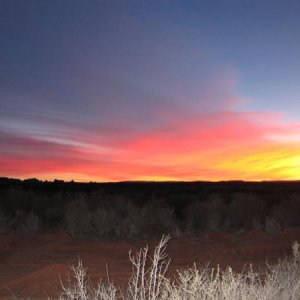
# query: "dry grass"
149 281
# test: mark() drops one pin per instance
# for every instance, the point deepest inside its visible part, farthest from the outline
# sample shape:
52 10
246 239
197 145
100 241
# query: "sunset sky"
106 90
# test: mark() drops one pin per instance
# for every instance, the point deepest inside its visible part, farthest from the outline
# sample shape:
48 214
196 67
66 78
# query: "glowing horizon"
237 146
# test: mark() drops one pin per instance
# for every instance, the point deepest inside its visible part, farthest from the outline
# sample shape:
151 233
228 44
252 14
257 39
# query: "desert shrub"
18 221
158 218
31 223
149 281
4 221
215 208
206 214
287 211
272 225
131 225
53 217
195 215
128 213
82 289
78 218
243 209
103 222
130 218
22 222
21 200
119 218
113 221
23 208
107 223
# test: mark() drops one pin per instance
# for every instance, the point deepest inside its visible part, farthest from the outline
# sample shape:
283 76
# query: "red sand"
30 265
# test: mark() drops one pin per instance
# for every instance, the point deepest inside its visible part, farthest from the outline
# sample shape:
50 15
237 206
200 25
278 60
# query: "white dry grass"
82 289
149 281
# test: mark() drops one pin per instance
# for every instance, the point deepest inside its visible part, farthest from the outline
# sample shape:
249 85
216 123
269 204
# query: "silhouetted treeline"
143 209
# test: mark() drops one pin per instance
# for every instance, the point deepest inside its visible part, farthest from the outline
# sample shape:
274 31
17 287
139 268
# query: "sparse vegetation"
149 281
145 210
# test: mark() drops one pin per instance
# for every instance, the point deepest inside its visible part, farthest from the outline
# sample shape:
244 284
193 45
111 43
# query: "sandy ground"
31 265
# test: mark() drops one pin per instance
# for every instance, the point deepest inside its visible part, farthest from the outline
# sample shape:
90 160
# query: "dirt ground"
31 265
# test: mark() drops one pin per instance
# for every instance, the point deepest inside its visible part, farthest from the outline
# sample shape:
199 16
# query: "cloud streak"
219 146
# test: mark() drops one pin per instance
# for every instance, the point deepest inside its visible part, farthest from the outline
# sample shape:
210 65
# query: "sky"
106 90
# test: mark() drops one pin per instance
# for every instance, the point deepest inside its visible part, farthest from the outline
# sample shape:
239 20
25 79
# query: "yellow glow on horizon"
248 162
264 163
256 163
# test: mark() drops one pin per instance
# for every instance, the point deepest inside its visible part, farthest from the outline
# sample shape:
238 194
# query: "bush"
101 215
149 281
77 218
242 210
158 218
31 223
287 211
215 212
206 214
4 222
272 226
104 222
119 218
196 216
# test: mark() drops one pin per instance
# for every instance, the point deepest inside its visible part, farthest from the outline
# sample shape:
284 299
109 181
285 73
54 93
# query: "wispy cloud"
214 146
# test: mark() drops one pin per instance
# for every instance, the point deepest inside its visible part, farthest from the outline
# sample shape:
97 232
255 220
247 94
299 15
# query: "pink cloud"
215 146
